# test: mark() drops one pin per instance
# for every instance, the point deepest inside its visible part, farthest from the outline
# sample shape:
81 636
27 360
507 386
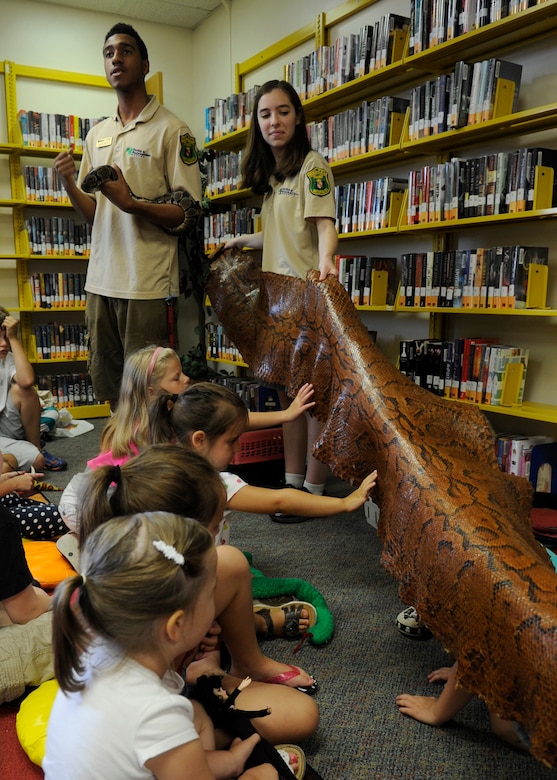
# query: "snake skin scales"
455 529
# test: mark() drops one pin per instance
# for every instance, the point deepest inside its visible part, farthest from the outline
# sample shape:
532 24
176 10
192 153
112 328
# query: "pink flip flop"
281 679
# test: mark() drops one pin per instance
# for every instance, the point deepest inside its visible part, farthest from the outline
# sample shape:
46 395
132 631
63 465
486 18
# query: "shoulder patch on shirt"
188 149
319 183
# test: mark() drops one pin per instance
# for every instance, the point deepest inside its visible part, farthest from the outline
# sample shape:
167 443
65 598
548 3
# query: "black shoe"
281 517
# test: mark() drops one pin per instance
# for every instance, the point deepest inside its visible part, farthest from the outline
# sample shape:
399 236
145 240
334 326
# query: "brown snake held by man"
455 529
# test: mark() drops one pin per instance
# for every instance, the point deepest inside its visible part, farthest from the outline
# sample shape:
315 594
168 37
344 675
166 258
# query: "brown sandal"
292 615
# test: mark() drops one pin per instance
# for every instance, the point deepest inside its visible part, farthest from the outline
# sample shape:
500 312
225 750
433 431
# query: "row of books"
349 57
255 397
219 345
355 275
466 96
229 114
359 130
227 224
58 290
436 21
514 452
499 183
69 389
355 131
352 56
466 369
58 236
223 172
482 278
57 341
365 205
43 184
54 131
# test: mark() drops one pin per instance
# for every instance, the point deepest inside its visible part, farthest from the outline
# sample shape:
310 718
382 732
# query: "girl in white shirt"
144 598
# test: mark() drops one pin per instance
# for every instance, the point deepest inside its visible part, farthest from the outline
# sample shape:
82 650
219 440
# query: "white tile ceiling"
180 13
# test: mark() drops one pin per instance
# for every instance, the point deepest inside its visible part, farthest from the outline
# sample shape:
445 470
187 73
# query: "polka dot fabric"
37 521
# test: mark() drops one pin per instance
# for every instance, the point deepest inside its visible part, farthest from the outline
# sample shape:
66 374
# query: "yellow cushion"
46 563
32 720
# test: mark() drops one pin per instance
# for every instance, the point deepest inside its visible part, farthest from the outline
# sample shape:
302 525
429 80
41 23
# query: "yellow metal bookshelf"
406 70
512 32
15 149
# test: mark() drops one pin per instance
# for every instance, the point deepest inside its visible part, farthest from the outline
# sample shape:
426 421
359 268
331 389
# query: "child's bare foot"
274 672
292 619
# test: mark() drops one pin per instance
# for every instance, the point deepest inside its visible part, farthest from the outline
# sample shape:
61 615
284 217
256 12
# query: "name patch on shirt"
319 183
288 191
188 149
132 152
104 142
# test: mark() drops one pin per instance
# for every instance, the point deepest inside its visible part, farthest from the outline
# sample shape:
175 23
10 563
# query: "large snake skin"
455 529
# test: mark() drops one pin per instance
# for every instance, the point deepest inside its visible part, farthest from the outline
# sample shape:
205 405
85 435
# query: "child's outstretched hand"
358 498
430 710
422 708
440 675
301 403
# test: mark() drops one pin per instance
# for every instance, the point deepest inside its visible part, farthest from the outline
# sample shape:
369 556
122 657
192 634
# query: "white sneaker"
408 623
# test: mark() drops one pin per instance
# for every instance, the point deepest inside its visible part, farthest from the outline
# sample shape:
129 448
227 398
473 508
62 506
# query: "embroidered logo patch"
319 183
188 150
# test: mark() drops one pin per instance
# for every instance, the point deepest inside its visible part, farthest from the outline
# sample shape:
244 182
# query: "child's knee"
232 560
24 397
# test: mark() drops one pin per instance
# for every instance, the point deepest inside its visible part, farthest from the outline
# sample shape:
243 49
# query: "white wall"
62 38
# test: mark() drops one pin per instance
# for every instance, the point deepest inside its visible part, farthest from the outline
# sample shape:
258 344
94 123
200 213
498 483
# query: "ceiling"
179 13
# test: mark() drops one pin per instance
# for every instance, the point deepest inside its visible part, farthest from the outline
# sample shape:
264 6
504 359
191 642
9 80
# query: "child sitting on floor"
144 599
185 483
25 620
148 373
210 419
20 599
37 520
20 408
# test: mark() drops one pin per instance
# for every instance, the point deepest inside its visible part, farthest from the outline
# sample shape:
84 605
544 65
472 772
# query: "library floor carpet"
361 735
